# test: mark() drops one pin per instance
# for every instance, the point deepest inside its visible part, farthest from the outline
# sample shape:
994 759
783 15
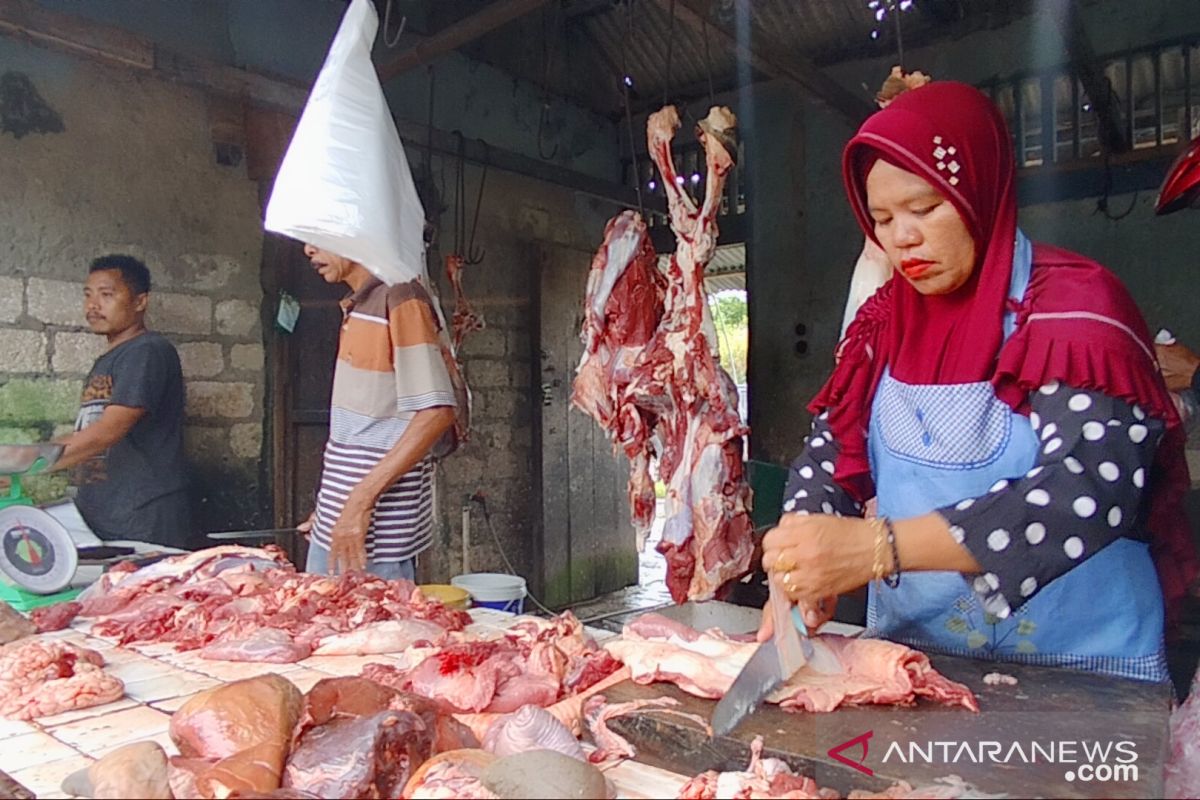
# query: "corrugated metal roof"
632 36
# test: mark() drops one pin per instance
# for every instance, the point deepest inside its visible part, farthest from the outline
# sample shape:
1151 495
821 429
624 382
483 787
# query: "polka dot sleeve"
810 487
1084 492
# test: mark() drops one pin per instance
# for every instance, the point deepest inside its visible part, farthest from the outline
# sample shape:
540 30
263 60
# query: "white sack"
870 272
344 184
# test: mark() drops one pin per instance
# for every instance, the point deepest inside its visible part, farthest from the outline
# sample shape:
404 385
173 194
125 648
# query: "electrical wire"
481 501
625 81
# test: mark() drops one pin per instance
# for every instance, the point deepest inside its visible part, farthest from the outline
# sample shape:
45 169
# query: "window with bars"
1154 93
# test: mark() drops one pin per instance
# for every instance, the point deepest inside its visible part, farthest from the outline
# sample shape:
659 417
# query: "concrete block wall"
133 172
519 215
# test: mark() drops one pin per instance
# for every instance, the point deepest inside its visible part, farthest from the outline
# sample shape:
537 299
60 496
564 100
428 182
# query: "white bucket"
494 590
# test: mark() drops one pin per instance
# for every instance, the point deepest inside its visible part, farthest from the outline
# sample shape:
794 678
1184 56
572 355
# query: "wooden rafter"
25 21
757 49
465 31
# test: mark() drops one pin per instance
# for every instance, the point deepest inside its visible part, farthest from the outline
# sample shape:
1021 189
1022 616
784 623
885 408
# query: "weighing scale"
37 553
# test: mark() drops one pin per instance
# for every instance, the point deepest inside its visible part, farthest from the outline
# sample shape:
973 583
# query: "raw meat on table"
55 617
451 775
875 671
334 699
235 737
531 728
650 378
369 756
535 662
246 604
763 778
13 625
611 746
40 678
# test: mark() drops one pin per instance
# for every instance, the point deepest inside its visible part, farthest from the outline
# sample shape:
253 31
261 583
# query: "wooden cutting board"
1050 707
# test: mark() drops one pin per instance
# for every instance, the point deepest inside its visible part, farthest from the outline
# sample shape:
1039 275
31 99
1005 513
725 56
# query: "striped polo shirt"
389 367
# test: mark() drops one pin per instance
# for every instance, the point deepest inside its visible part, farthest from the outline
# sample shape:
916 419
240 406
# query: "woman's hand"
814 616
815 557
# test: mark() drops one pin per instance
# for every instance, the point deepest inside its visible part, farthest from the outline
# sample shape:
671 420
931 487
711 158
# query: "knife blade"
262 534
773 662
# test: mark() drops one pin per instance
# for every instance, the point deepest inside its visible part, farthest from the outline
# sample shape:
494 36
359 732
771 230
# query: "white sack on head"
871 271
345 185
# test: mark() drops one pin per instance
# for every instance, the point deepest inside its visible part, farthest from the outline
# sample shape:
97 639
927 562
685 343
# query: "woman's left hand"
819 555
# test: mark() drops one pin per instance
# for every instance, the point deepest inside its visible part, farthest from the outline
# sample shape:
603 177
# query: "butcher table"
1046 705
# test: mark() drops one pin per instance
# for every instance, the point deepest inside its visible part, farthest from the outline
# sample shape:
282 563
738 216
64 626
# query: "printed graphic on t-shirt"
96 395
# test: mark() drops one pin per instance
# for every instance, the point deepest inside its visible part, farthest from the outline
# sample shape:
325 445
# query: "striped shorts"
402 525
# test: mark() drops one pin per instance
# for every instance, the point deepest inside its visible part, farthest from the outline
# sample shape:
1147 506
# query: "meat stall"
126 696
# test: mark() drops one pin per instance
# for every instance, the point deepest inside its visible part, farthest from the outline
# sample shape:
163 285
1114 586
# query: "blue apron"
933 446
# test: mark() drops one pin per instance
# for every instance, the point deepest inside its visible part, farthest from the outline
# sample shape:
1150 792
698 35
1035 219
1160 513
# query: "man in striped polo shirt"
392 400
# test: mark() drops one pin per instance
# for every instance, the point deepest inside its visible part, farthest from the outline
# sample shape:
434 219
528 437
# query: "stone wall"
519 215
131 171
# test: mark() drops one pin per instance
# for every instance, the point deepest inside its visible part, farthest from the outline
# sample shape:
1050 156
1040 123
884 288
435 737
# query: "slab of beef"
1182 773
370 756
135 770
875 671
764 777
235 737
333 699
535 662
55 617
40 678
650 377
250 605
454 775
13 625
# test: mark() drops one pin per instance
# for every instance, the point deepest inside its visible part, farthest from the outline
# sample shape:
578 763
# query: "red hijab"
1076 324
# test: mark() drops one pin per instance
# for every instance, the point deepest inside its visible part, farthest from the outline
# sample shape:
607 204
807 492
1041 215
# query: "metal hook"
472 255
392 41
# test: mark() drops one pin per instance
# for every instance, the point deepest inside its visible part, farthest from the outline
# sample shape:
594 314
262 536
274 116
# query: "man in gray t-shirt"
127 448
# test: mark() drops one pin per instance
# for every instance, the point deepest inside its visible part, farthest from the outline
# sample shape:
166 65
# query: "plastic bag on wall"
344 184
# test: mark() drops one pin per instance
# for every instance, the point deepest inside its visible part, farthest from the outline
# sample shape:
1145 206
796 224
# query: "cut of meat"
265 645
55 617
465 319
452 775
244 604
764 777
39 678
370 756
389 636
234 737
611 746
875 671
536 662
351 697
531 728
13 625
649 376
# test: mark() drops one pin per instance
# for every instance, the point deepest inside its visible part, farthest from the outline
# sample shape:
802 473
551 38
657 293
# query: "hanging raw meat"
465 319
650 377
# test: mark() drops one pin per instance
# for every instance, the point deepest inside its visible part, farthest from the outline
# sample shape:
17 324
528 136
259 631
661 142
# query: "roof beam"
773 61
25 21
465 31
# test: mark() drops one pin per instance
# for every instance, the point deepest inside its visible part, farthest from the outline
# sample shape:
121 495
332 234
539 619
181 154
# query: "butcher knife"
264 534
773 663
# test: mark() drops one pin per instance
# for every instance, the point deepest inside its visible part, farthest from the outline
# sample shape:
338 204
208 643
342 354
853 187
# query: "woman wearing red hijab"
1001 402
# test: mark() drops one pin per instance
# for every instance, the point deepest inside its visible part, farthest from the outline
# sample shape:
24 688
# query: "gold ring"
782 565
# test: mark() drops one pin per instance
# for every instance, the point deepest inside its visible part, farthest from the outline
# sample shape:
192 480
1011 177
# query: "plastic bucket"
450 596
494 590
